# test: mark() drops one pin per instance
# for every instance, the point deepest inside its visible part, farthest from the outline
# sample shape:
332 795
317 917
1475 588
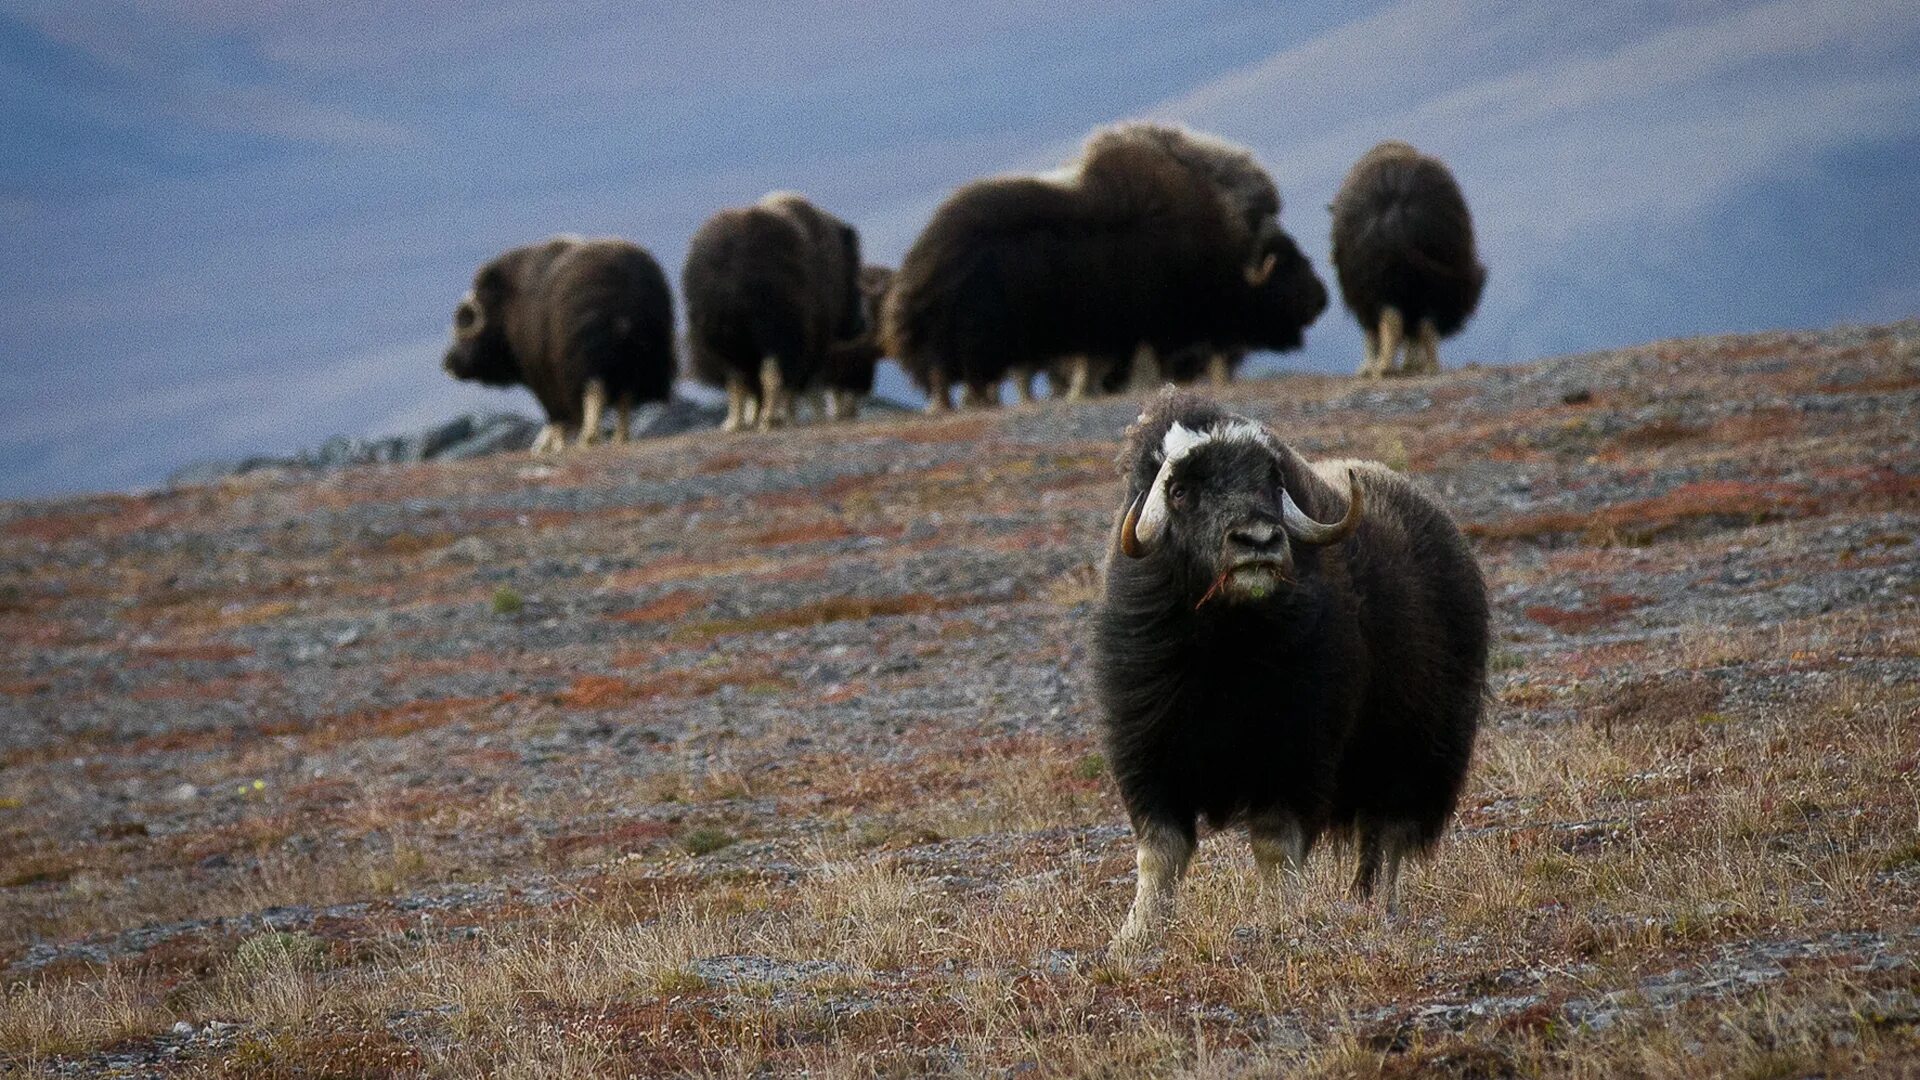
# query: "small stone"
181 1027
1577 396
184 793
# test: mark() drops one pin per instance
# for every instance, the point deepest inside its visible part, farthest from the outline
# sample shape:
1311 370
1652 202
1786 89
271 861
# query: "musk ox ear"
1258 275
468 316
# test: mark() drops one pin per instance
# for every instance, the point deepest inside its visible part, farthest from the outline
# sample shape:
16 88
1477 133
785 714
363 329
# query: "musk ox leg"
1144 377
1429 351
939 392
1279 843
1161 853
551 438
1023 385
974 396
776 401
849 405
623 421
737 397
1219 371
1392 334
1079 376
1369 366
1383 847
593 408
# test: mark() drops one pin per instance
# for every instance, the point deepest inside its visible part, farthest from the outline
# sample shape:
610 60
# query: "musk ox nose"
1256 538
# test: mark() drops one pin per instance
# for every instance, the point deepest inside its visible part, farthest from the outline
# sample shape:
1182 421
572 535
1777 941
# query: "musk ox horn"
1308 531
1258 275
1147 518
1130 543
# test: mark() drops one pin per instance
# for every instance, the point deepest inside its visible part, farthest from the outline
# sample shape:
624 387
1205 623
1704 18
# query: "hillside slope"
743 753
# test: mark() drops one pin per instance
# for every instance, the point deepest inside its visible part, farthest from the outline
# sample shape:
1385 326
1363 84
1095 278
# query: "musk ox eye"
1178 493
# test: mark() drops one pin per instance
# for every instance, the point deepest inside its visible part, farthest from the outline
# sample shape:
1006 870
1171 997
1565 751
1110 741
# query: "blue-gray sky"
230 226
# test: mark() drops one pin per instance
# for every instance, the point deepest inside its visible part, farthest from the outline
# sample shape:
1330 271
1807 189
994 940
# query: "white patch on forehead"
1181 440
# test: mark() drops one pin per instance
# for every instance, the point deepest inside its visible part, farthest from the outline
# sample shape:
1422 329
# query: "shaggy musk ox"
1299 648
1403 250
581 323
770 288
1154 239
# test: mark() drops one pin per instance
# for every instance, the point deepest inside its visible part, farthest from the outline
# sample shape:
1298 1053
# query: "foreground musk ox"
1299 648
1403 250
1153 240
770 288
582 323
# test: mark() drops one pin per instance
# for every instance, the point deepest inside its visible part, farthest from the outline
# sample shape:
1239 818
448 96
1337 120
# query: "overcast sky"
239 226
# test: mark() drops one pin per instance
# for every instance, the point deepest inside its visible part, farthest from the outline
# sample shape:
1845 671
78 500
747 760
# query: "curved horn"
1308 531
1258 275
1130 543
1148 517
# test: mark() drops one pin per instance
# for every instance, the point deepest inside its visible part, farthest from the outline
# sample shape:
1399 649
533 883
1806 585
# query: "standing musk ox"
1152 240
770 288
1403 250
1299 648
581 323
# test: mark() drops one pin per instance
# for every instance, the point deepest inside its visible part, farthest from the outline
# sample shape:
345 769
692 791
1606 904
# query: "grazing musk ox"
1300 648
1404 253
1153 239
769 288
582 323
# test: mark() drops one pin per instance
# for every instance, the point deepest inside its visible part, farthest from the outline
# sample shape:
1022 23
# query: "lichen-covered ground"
759 755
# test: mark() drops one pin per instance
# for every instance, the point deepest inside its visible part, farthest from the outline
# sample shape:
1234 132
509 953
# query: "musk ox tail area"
1403 239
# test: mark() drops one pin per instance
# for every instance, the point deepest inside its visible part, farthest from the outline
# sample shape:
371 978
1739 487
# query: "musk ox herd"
1154 256
1296 648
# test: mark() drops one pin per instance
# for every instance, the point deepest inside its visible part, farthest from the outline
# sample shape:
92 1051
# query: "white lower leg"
1279 847
1079 374
593 408
1160 858
1219 370
773 395
623 421
548 440
938 392
1392 334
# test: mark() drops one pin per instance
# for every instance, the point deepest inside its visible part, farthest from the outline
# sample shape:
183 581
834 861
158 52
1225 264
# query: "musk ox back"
769 288
581 323
1297 648
1404 253
1133 247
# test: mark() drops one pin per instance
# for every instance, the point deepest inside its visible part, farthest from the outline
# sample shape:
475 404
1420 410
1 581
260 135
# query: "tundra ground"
754 755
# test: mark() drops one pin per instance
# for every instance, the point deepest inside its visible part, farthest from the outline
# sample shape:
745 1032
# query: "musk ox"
582 323
1403 251
1298 648
1134 250
769 288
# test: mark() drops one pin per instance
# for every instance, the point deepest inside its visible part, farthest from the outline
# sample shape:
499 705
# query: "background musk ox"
1403 250
1259 665
1138 248
769 288
581 323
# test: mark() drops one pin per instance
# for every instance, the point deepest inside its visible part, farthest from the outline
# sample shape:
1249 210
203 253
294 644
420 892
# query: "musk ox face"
479 350
1287 296
1217 514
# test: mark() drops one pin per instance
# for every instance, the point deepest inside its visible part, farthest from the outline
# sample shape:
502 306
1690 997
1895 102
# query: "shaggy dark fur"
777 279
1344 699
1402 238
1134 246
555 315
